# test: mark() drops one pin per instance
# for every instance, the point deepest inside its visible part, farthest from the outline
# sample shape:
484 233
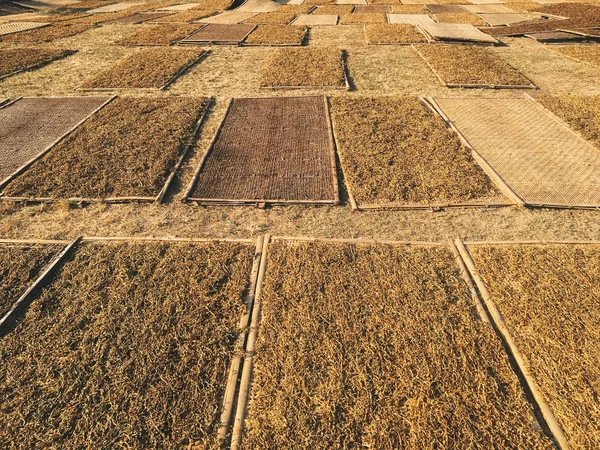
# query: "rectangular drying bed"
29 127
397 153
16 60
20 265
375 346
315 19
138 18
456 33
142 335
229 17
17 27
115 7
220 34
588 54
305 68
393 34
459 66
543 161
581 113
129 151
269 150
547 296
409 19
277 36
152 68
162 34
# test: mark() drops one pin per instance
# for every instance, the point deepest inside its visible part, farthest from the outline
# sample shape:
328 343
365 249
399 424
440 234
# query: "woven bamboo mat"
541 159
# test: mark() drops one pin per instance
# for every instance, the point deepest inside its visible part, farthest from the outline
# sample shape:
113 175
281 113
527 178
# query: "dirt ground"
234 72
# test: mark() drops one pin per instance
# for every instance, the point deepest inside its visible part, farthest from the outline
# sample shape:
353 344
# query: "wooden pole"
236 362
244 391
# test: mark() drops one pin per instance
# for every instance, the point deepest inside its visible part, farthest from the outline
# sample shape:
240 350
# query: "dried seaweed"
62 29
20 264
580 113
128 348
362 18
548 296
16 59
277 35
128 148
334 9
409 9
468 65
586 53
163 34
149 68
379 347
394 34
395 150
185 16
304 67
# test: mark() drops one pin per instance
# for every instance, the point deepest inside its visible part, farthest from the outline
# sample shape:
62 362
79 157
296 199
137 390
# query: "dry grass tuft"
184 17
334 9
394 34
163 34
17 59
149 68
396 151
410 9
128 348
277 35
548 296
362 18
469 65
586 53
126 149
580 113
20 265
272 18
379 347
465 18
304 67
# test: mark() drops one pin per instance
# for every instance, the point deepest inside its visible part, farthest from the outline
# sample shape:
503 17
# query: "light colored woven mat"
456 31
536 155
410 19
259 6
15 27
503 19
316 19
488 9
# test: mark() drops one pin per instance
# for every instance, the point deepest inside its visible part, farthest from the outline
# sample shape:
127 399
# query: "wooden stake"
522 365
